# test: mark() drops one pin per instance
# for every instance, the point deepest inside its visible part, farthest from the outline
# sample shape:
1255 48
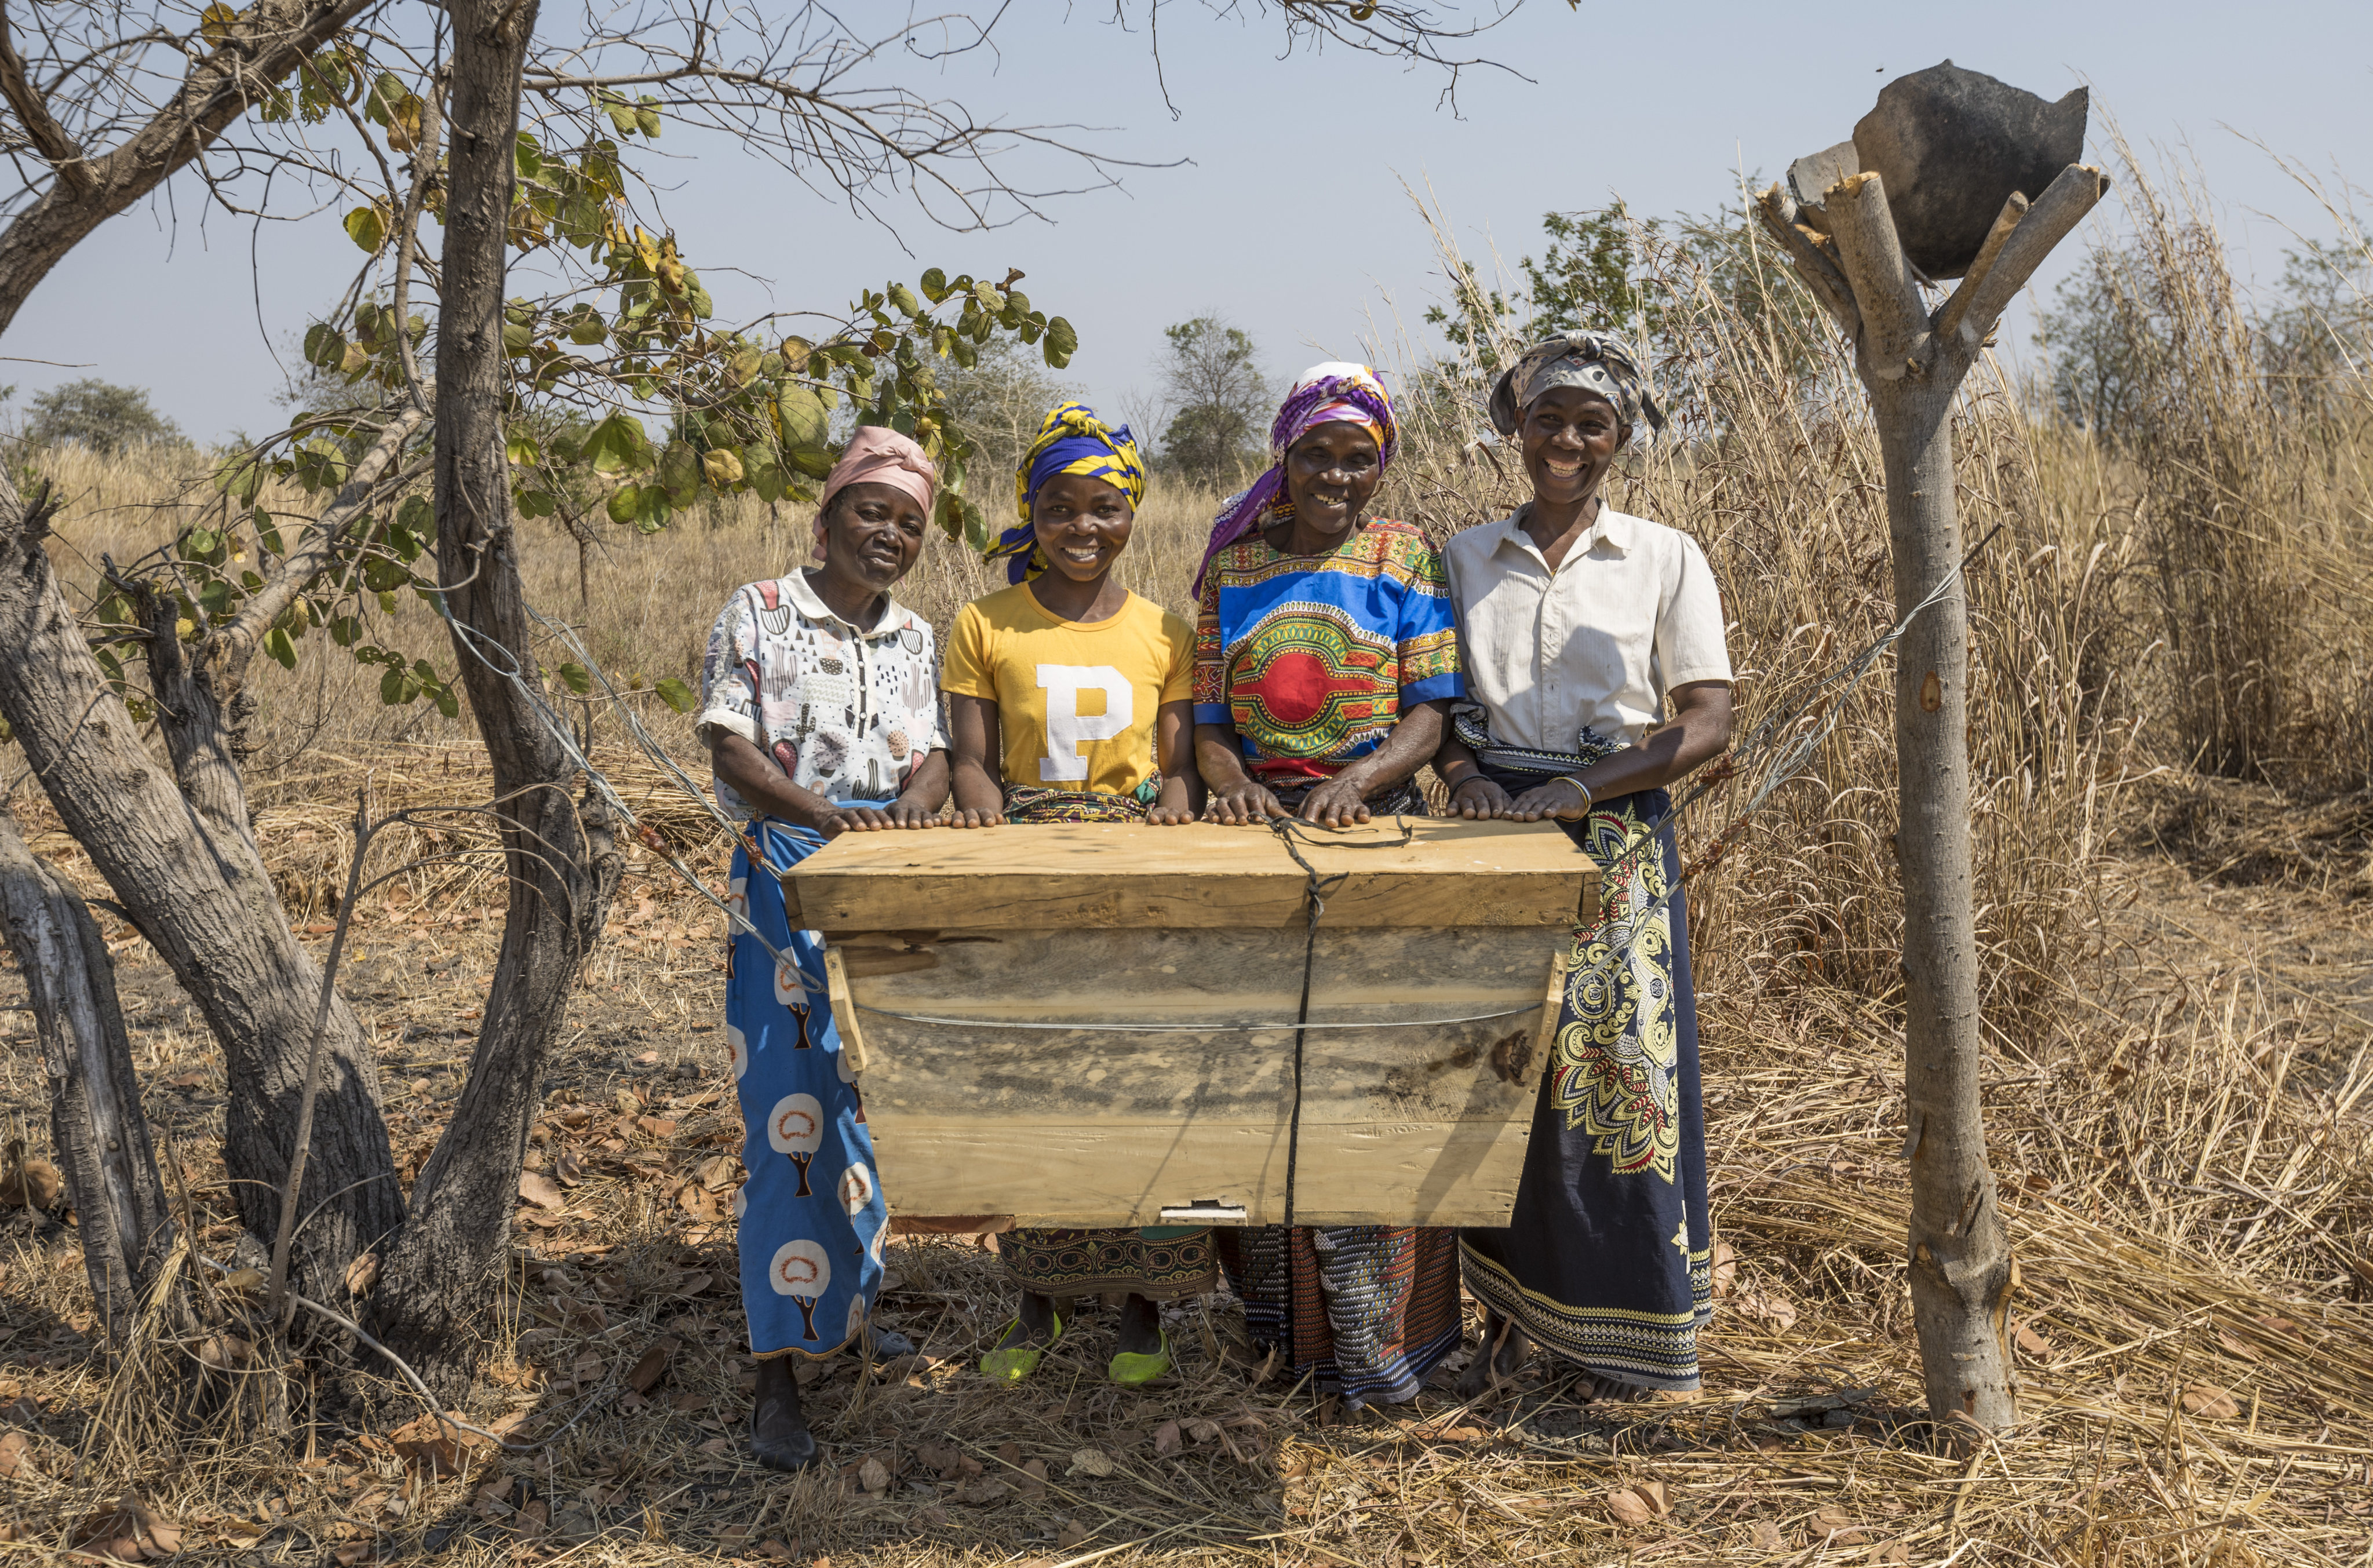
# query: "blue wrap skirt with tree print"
811 1222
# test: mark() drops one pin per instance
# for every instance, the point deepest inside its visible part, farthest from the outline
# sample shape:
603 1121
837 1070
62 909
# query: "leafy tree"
1220 401
2096 337
99 415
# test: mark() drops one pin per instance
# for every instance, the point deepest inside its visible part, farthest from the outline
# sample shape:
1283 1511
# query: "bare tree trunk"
1912 363
184 867
1962 1274
95 1123
562 865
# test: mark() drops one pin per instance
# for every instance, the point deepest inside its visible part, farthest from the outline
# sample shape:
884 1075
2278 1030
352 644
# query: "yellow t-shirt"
1075 701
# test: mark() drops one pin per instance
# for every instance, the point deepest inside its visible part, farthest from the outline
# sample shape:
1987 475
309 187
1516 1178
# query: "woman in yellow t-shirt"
1071 699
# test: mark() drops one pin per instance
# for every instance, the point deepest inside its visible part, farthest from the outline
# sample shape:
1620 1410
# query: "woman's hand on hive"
1174 806
1476 796
977 817
1336 803
913 814
1240 802
1555 798
855 819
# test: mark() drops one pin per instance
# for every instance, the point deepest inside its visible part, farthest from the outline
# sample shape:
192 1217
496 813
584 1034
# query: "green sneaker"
1131 1370
1015 1363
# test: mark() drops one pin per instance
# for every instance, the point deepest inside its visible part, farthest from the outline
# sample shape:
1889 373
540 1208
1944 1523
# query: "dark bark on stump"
96 1125
184 868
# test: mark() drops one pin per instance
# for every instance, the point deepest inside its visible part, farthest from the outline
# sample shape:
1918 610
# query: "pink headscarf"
877 455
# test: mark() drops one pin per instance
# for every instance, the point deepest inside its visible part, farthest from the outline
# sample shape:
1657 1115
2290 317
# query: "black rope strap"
1314 896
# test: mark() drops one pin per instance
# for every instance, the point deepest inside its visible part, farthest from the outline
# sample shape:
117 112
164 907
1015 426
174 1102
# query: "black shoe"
779 1438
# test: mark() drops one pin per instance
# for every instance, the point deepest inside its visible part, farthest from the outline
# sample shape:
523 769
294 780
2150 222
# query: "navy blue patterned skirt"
1607 1259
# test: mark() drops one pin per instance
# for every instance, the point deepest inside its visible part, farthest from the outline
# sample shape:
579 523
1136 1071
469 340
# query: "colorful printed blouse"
847 711
1313 658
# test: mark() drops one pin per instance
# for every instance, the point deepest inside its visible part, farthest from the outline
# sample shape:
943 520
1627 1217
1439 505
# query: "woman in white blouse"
1580 627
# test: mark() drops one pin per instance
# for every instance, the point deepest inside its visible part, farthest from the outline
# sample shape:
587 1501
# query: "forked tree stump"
1912 362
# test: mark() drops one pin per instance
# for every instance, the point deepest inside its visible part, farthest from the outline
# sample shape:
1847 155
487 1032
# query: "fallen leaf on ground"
1031 1487
2234 1347
1203 1431
1765 1536
1658 1495
1096 1462
540 1190
1166 1441
427 1443
1072 1534
1725 1268
873 1476
1837 1526
647 1372
2033 1343
15 1449
2207 1399
130 1532
1628 1507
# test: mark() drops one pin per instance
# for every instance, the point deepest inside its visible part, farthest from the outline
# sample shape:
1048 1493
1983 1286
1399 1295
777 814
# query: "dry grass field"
2180 1006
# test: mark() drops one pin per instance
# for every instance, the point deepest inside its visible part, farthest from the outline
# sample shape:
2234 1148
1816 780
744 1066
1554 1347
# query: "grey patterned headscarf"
1590 360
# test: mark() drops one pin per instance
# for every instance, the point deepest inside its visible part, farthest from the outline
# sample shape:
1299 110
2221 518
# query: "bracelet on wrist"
1579 788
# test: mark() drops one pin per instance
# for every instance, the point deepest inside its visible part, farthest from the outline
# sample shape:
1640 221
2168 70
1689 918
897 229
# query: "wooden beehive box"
984 979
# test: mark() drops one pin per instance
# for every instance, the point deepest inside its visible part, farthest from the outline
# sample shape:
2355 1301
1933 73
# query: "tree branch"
1777 208
226 655
1949 314
2061 207
261 45
33 112
1895 340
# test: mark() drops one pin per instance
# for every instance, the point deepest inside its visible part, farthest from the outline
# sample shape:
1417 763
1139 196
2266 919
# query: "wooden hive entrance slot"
1094 1024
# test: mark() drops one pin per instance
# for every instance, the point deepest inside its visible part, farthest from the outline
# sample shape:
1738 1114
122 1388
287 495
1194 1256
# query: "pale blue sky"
1290 217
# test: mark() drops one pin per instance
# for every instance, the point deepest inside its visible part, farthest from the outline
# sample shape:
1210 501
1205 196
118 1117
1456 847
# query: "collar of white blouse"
809 602
1611 528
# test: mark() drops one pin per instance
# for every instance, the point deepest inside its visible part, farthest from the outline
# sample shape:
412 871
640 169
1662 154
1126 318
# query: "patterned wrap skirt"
1367 1311
1607 1258
1158 1262
810 1218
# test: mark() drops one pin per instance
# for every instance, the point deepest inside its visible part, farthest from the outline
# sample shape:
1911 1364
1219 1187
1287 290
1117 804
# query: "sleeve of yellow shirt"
1178 678
965 671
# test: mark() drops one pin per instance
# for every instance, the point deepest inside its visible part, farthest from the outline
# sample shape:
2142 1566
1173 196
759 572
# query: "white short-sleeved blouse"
1630 612
847 711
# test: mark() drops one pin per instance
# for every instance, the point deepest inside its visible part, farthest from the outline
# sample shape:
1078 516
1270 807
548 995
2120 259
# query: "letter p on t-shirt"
1068 730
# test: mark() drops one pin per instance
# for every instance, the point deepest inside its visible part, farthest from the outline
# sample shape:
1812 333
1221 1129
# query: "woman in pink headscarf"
820 709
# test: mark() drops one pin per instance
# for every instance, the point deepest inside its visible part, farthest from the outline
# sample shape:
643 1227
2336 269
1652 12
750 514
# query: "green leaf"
903 298
799 416
535 503
418 516
527 155
278 643
518 446
647 115
616 443
1061 343
391 689
344 629
626 504
935 284
990 299
622 115
675 694
447 703
215 23
516 338
586 326
367 226
680 472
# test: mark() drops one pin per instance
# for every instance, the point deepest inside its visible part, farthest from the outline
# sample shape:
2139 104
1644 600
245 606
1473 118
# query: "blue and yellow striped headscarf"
1071 440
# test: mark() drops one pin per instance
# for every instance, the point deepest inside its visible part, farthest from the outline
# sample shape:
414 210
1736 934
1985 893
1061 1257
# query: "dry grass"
2177 1093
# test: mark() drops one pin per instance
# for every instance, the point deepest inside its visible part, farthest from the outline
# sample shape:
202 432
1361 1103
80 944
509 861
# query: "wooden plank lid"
1394 871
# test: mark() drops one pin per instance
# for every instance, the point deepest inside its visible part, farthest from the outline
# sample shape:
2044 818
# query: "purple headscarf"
1337 390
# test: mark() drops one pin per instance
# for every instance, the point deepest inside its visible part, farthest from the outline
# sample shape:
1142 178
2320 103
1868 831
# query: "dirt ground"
2180 1412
